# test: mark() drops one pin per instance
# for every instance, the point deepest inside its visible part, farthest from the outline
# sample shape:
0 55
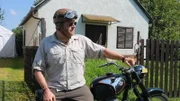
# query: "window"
124 38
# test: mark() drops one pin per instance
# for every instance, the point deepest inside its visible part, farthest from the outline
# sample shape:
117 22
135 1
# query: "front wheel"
155 97
158 97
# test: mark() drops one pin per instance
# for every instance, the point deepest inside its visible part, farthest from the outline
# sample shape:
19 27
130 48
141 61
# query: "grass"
12 69
12 77
92 70
12 72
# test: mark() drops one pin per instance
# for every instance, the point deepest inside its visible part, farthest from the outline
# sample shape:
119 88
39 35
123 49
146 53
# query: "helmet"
62 14
139 71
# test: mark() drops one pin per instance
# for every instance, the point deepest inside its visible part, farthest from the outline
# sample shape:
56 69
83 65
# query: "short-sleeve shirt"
63 64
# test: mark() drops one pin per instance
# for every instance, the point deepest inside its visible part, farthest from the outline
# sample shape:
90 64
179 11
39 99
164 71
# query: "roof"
29 15
5 32
144 10
33 9
98 18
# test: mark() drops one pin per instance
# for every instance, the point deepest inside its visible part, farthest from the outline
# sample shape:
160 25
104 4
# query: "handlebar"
108 64
123 69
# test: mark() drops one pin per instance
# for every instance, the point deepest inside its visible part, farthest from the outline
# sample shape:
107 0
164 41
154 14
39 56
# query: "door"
97 33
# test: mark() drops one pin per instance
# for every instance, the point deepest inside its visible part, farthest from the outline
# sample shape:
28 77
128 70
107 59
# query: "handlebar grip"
103 65
121 68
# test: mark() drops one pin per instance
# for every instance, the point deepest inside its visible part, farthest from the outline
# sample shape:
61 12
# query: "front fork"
145 96
125 94
142 87
137 93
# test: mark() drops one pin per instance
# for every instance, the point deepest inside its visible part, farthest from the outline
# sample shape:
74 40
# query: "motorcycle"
109 86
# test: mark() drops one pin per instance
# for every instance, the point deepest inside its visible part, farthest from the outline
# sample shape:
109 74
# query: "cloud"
13 12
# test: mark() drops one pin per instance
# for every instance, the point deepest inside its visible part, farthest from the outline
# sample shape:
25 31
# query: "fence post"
142 52
147 61
162 64
175 69
29 54
3 90
166 68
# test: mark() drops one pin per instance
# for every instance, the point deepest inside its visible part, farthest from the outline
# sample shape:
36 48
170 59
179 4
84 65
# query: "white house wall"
127 11
32 29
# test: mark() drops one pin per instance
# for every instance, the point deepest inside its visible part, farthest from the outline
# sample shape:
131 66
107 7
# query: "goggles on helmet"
70 15
59 17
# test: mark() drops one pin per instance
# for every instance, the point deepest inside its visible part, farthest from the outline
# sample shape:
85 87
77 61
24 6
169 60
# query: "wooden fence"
159 56
29 53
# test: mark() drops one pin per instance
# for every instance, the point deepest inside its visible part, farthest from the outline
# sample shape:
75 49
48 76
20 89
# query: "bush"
19 37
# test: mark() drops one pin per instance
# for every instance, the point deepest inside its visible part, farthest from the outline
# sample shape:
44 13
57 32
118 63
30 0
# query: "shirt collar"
54 38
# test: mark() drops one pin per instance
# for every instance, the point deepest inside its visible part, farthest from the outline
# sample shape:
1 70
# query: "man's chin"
70 34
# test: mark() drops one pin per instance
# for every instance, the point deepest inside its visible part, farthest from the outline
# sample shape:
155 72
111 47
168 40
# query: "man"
59 62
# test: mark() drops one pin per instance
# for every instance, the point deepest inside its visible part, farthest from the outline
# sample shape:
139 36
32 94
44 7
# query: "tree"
1 15
19 37
166 16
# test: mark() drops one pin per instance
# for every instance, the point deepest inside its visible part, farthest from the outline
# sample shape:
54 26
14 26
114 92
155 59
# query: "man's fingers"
54 99
128 63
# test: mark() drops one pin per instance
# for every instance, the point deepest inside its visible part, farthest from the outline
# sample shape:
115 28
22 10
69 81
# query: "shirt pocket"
55 56
77 55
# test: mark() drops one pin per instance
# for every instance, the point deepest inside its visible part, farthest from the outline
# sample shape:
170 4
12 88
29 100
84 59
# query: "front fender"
152 91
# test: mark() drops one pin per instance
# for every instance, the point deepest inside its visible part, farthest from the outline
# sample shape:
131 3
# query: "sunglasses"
72 23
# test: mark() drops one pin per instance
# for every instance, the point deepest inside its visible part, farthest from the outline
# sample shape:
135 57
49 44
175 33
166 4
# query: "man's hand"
48 95
129 61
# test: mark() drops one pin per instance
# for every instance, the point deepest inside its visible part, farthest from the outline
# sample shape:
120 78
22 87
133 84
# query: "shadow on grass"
15 91
15 63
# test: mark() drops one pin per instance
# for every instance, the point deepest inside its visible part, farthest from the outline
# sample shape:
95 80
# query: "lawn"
12 80
12 69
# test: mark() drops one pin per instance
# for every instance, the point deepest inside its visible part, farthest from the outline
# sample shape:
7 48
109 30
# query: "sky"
14 12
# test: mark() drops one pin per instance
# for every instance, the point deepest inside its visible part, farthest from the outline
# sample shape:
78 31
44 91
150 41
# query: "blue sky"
15 11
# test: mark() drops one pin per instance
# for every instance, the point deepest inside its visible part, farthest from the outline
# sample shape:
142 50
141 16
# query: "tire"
159 97
156 97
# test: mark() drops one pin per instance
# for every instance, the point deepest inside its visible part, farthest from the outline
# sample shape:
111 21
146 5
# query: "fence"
161 58
29 53
1 90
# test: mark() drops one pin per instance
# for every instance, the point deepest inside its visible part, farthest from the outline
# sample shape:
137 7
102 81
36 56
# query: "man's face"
69 27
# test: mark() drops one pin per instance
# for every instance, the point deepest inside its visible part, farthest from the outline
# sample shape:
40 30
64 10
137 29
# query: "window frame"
122 42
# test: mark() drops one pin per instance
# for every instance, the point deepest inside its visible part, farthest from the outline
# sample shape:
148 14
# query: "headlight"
140 70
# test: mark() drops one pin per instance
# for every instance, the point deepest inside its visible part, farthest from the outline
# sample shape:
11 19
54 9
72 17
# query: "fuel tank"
107 86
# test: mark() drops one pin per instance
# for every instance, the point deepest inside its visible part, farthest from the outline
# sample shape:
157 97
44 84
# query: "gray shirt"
63 64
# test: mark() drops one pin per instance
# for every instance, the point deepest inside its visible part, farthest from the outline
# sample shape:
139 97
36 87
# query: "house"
115 24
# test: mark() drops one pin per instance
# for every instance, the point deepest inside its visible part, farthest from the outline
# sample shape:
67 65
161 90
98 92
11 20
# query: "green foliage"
12 73
93 71
166 17
12 69
1 15
19 37
16 91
